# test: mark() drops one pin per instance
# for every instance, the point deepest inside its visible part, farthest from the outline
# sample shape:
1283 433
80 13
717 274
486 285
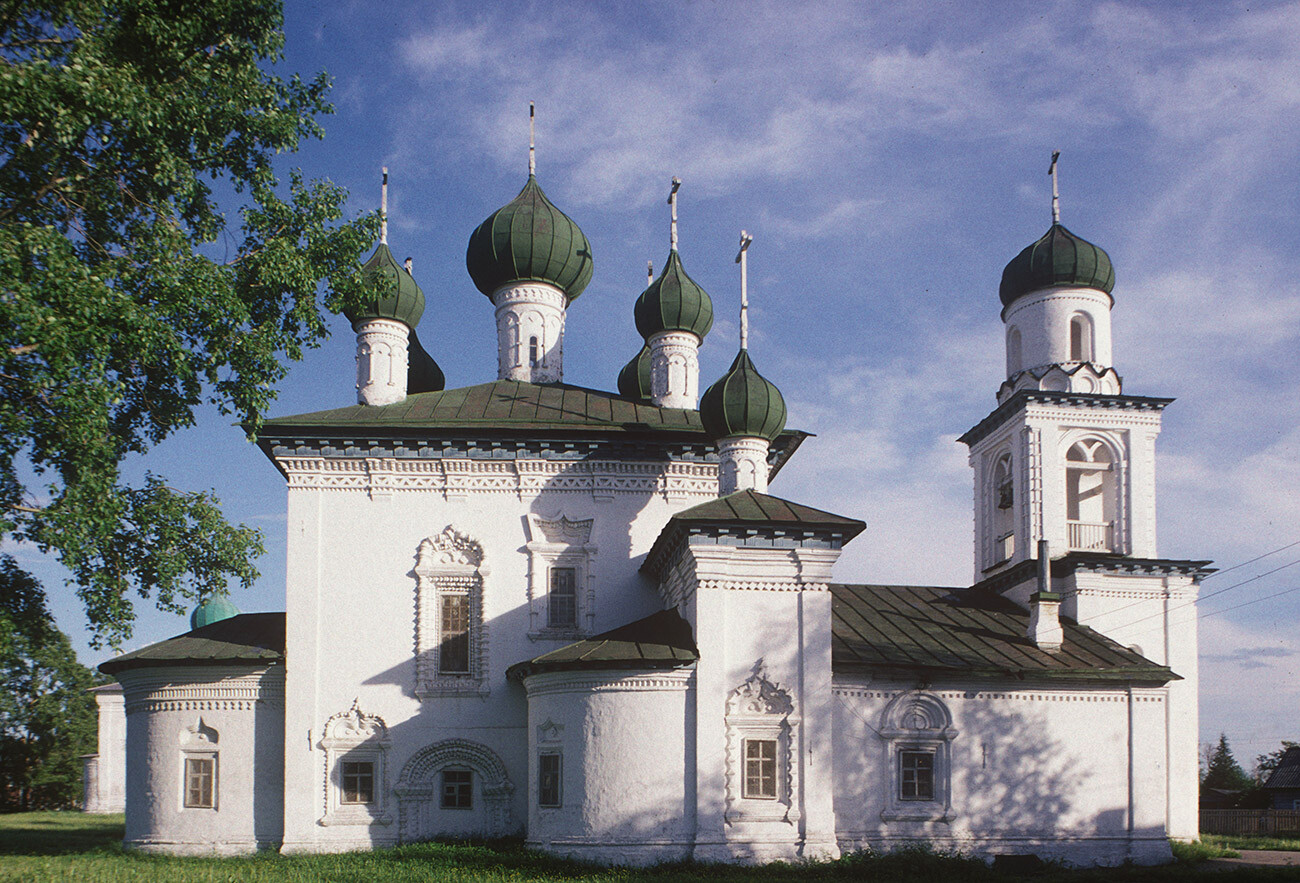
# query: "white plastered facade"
416 579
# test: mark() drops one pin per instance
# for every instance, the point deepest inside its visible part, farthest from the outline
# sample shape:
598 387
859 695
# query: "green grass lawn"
1286 844
41 847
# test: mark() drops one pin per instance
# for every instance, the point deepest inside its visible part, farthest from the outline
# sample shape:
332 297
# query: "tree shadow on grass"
59 833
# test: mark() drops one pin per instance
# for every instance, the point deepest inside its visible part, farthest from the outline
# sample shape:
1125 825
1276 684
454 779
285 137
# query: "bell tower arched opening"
1090 496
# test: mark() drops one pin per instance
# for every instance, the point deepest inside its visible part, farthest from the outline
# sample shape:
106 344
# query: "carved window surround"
560 542
759 709
353 735
918 721
449 563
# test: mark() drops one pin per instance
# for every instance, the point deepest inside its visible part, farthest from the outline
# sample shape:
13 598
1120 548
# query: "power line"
1251 561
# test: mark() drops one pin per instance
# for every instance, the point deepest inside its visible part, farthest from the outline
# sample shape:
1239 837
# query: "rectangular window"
548 779
916 775
457 789
200 782
358 782
760 769
453 646
562 605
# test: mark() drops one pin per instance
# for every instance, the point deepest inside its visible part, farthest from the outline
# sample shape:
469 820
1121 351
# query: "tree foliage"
1223 772
47 717
127 298
1266 763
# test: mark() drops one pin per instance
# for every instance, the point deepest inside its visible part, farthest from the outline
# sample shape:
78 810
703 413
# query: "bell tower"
1065 489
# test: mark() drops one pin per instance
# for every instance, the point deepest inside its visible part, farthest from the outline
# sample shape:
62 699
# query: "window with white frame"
451 639
201 781
761 778
358 781
550 766
356 753
760 769
198 765
917 732
561 579
1002 512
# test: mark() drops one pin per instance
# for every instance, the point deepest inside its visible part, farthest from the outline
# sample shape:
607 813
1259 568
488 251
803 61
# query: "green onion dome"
1059 258
742 403
634 379
529 239
674 302
212 610
402 300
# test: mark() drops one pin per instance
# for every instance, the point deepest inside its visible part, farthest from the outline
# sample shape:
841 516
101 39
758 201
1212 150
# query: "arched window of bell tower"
1004 500
1081 338
1013 350
1090 496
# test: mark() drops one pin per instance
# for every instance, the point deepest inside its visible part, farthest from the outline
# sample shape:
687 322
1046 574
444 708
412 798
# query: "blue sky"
888 159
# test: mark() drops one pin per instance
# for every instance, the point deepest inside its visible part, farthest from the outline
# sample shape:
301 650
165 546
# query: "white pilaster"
674 369
530 332
742 465
381 361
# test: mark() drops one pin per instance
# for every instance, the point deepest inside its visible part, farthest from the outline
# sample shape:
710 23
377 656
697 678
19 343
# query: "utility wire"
1220 591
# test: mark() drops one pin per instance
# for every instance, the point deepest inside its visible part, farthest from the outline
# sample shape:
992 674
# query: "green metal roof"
661 640
749 507
673 302
634 377
529 239
914 629
750 512
402 299
1058 258
249 638
743 403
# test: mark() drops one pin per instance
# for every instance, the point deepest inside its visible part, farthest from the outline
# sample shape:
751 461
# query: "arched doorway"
453 788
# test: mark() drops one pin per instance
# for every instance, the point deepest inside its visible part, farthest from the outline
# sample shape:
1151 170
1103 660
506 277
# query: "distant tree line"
1222 775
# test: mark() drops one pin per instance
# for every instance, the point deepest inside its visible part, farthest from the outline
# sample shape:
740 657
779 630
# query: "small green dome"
634 379
402 299
529 239
212 610
674 302
1059 258
743 403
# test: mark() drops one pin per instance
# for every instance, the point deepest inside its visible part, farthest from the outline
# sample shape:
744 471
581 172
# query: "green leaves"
126 297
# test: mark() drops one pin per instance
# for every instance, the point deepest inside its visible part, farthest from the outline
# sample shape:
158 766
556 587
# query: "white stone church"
525 607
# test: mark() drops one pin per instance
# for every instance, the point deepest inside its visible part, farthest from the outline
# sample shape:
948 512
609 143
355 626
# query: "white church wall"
1043 320
762 622
626 794
1076 774
105 784
204 758
353 602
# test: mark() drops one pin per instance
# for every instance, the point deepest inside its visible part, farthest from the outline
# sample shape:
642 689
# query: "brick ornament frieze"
455 477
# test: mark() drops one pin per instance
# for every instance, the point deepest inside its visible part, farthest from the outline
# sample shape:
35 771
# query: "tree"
47 717
1223 772
126 297
1266 763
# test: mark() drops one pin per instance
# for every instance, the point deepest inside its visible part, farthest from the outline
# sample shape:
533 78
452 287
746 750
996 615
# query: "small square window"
760 769
916 775
457 789
548 779
200 782
358 782
562 603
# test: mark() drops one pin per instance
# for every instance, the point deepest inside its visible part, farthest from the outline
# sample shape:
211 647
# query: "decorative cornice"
547 683
460 477
1022 399
148 692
